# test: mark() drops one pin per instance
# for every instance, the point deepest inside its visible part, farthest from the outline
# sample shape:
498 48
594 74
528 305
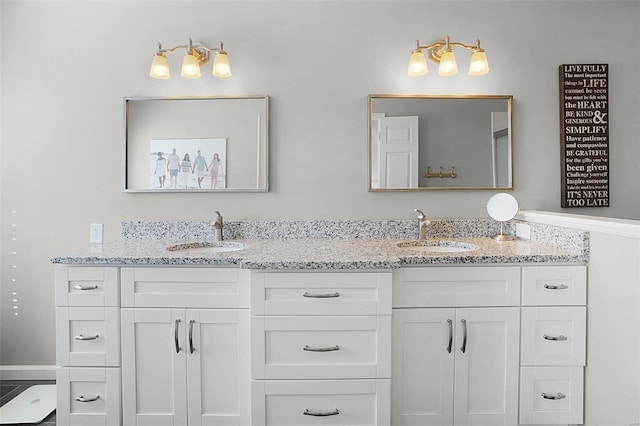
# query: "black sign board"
584 133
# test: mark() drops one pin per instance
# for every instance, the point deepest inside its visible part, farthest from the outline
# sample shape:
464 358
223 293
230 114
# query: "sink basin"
207 247
438 246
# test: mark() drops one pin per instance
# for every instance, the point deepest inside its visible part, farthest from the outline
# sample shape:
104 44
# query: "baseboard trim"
27 372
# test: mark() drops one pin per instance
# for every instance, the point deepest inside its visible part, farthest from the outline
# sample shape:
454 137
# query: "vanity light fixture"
195 57
441 52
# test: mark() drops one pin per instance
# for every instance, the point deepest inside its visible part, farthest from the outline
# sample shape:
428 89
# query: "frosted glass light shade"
190 67
159 68
448 65
417 64
221 67
479 64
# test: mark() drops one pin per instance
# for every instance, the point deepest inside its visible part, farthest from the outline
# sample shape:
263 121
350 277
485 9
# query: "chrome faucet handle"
421 215
217 223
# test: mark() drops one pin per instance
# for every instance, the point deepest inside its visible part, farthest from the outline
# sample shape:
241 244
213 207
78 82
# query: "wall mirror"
196 144
440 142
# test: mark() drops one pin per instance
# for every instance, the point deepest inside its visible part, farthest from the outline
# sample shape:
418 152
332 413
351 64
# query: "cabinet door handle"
554 397
81 337
463 348
85 287
308 412
83 399
175 329
556 287
450 345
321 348
555 338
321 295
191 348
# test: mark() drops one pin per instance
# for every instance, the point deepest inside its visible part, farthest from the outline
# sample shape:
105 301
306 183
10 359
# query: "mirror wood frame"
184 130
370 111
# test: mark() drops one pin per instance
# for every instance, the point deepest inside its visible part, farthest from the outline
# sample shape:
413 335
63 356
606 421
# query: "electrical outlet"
523 231
96 232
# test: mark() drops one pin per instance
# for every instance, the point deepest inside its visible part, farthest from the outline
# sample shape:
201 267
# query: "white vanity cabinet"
87 346
320 348
455 346
183 365
553 354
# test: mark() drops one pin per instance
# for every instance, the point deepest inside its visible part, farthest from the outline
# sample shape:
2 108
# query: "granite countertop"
355 253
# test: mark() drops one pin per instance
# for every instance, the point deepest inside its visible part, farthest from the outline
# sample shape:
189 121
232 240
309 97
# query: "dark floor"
9 389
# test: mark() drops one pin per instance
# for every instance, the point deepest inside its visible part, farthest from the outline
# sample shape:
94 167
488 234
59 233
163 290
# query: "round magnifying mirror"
502 207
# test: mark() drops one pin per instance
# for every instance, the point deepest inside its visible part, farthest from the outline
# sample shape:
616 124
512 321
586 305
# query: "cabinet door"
218 366
423 362
153 367
487 366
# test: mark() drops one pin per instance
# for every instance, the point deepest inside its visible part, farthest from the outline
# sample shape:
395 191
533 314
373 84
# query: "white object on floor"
31 406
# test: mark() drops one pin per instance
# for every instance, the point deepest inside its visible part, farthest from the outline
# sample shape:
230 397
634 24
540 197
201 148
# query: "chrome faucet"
423 223
217 223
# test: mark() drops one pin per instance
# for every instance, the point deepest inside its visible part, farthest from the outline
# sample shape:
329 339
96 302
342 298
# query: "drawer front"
554 285
551 395
185 287
326 402
554 336
456 286
88 337
88 396
87 286
321 347
321 293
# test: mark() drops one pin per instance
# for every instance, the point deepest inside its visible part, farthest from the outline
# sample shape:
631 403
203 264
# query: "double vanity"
322 322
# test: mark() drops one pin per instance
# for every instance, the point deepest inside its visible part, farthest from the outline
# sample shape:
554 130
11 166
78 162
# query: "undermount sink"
207 247
438 246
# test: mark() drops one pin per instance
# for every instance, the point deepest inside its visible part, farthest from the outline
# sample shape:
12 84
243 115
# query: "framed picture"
189 164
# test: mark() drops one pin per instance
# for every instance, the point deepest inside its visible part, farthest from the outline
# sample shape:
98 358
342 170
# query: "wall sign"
584 133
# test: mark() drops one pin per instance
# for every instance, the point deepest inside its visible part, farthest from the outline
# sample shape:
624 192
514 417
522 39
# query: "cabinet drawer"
554 285
551 395
456 286
321 293
185 287
554 336
334 402
88 337
86 286
321 347
88 396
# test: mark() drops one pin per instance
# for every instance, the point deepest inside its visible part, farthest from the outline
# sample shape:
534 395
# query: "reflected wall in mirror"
440 142
196 144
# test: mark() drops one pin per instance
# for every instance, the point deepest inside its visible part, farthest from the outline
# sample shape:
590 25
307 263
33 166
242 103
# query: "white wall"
67 65
612 376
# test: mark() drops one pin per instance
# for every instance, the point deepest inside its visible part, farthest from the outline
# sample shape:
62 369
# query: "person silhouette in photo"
161 169
173 166
214 168
199 165
185 170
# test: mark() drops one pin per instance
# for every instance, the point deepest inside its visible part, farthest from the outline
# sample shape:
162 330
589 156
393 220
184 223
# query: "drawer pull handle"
321 348
191 348
83 399
81 337
556 287
555 338
85 287
321 295
464 336
554 397
177 344
450 345
335 412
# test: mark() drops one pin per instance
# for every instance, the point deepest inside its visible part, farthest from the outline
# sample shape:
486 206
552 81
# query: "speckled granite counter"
306 250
